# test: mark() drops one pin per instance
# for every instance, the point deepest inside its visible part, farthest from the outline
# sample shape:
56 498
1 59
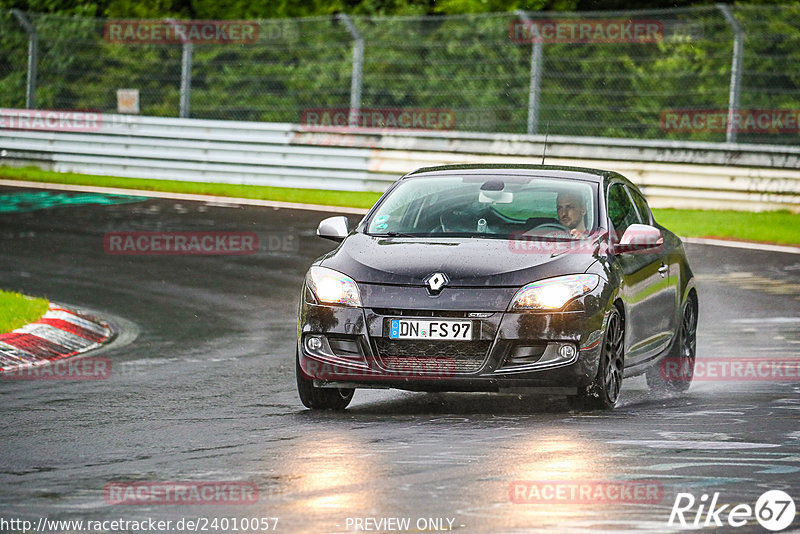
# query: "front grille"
396 312
422 357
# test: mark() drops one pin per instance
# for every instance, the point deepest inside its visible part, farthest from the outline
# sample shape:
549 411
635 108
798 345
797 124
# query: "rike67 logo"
774 510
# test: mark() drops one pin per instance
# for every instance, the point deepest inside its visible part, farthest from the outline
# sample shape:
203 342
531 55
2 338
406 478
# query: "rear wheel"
673 374
321 398
605 389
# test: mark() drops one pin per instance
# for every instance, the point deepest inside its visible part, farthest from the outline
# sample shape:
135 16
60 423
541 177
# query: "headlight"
553 293
333 287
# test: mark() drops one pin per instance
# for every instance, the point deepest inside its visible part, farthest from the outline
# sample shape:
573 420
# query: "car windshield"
505 207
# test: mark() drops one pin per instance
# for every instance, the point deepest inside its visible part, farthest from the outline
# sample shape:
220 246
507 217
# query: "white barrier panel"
671 173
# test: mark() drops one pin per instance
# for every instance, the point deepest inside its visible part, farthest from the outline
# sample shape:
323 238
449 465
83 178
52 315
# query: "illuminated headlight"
553 293
333 287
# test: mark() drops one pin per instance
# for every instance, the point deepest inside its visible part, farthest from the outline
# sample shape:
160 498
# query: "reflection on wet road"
206 392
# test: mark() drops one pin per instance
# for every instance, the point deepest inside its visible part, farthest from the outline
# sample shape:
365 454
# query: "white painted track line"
741 244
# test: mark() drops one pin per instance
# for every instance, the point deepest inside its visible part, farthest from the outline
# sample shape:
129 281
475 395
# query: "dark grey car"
498 278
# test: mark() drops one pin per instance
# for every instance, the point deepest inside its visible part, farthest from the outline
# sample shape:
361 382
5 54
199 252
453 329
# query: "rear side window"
642 207
620 208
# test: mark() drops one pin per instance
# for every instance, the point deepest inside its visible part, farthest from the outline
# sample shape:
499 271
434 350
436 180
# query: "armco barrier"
672 173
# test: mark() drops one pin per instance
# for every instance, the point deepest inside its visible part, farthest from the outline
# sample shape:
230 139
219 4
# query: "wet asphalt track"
206 392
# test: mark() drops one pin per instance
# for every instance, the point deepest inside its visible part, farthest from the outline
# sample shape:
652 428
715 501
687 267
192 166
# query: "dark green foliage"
464 63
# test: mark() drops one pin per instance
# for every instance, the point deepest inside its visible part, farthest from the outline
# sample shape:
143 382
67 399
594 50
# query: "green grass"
17 310
771 227
355 199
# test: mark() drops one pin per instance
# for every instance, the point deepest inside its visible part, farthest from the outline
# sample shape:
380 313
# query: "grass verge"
355 199
780 227
17 310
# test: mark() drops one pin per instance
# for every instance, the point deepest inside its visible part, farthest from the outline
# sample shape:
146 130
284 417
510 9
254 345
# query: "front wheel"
674 373
605 389
321 398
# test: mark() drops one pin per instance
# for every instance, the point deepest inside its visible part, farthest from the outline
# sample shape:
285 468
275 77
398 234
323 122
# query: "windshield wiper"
399 234
549 238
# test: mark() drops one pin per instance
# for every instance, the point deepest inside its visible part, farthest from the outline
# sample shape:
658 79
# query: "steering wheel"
442 227
551 225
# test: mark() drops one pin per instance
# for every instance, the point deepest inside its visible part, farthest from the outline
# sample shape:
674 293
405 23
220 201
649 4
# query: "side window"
642 207
620 209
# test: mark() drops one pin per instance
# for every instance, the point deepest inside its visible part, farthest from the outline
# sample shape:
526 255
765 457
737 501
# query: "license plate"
430 329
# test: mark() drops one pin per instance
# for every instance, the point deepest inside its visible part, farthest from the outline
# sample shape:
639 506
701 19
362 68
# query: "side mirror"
640 238
334 228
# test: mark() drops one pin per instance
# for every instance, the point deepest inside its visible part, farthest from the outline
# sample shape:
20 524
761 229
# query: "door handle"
663 270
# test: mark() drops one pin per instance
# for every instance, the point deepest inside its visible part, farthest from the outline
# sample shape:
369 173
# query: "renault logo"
436 282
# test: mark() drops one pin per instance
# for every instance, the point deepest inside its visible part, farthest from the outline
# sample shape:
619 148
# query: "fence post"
536 78
33 53
736 70
186 79
358 62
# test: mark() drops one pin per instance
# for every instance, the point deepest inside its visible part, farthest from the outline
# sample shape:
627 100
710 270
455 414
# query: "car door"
644 286
668 297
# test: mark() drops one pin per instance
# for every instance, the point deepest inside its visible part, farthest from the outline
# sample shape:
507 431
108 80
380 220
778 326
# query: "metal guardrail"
190 150
672 173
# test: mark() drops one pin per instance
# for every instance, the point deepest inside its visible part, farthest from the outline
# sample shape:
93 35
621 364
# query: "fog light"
567 351
313 343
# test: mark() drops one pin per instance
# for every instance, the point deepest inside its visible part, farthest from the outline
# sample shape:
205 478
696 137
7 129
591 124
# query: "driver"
571 212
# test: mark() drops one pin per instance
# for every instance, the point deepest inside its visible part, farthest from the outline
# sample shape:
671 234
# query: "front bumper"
509 352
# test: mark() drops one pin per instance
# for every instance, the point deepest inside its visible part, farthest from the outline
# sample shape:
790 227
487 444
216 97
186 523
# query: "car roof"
552 171
598 176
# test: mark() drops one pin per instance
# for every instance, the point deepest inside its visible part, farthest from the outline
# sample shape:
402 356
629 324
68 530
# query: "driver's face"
570 211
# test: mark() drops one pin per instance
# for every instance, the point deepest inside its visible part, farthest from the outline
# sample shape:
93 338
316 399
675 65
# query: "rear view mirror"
334 228
640 238
496 197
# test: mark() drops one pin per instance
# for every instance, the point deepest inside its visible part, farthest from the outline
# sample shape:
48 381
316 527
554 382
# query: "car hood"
467 262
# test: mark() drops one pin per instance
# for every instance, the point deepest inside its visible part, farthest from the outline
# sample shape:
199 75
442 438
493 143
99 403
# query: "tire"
604 392
316 398
681 356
